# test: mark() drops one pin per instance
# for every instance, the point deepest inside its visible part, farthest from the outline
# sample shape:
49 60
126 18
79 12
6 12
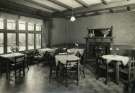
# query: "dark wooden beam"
18 9
111 10
43 5
128 8
82 3
25 3
104 2
101 7
61 4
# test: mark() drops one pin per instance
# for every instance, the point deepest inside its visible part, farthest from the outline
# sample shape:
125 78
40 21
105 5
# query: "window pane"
1 43
1 23
38 40
11 24
30 41
30 26
22 41
11 41
38 27
22 25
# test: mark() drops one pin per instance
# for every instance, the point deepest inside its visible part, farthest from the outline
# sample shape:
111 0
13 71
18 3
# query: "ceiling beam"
61 4
82 3
97 7
29 4
104 2
42 5
10 7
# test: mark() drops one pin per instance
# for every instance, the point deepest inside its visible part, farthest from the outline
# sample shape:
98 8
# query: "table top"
75 50
63 58
43 50
11 55
123 59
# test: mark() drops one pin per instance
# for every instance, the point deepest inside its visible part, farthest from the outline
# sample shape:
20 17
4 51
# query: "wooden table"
50 50
64 57
10 58
75 50
119 60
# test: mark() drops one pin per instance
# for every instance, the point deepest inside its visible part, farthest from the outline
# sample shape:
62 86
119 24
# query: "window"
22 41
30 41
1 43
11 41
30 27
1 23
19 34
38 40
22 25
11 24
38 27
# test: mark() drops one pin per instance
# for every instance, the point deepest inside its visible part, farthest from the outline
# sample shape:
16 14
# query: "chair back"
72 63
131 64
20 60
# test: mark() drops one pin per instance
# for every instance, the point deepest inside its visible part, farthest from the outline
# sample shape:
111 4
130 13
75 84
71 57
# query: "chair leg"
83 72
50 75
15 74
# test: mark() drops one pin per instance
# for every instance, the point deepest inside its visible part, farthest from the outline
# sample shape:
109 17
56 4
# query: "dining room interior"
67 46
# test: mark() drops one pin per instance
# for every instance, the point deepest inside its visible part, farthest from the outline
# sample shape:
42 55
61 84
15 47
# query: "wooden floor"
36 81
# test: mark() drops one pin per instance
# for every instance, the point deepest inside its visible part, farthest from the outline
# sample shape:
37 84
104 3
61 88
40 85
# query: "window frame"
5 32
11 22
3 42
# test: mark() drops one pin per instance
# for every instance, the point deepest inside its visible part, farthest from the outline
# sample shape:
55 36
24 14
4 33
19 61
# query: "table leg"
7 70
117 72
106 81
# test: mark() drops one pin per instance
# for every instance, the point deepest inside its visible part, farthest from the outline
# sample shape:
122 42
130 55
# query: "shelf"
99 39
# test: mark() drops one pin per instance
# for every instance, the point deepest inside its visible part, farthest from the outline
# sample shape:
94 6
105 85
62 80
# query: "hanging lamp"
72 18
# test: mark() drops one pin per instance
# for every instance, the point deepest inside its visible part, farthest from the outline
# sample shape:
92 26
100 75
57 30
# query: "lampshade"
72 18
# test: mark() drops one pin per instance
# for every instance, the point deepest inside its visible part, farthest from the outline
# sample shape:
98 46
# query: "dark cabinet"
98 44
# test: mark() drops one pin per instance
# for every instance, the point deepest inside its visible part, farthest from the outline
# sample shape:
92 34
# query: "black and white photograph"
67 46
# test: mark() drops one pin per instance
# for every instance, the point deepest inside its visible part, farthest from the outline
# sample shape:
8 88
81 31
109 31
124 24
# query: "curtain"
46 33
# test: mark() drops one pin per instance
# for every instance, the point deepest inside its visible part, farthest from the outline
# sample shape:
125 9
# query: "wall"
123 27
58 32
64 31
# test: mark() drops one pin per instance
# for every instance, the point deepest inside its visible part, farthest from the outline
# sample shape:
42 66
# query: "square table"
75 50
64 57
10 58
119 59
50 50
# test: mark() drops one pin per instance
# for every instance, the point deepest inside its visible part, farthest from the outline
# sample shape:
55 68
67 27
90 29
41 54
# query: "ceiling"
64 8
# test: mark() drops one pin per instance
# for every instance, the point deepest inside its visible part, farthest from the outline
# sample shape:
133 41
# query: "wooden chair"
127 73
29 57
71 71
46 57
37 58
53 68
3 65
106 70
18 67
82 64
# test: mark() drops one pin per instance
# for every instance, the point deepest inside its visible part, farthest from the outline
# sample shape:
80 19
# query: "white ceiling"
50 4
71 3
92 2
61 5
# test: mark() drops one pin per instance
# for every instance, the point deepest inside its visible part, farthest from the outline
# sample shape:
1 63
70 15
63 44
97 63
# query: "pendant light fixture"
72 18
